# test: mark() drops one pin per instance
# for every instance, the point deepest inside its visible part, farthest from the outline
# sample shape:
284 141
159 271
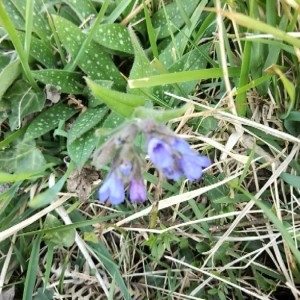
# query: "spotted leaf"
88 120
68 82
82 8
114 37
48 120
81 149
96 63
122 103
169 19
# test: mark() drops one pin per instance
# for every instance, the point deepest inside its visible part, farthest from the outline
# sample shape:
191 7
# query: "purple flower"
160 153
173 172
192 165
112 189
137 191
176 158
181 145
189 161
125 168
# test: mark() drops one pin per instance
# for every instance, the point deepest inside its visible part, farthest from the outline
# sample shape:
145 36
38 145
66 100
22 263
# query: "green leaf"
20 176
113 121
181 77
169 18
48 120
24 157
15 16
23 101
50 194
292 123
86 121
141 66
83 8
43 294
33 266
193 60
160 115
41 50
5 59
8 75
96 63
217 193
112 268
81 149
40 25
122 103
69 82
62 238
11 137
289 88
291 179
115 37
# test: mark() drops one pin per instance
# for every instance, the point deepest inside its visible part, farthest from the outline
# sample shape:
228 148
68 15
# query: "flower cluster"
171 155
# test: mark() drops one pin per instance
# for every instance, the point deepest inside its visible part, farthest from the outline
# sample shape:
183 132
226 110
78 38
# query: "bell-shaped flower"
189 161
160 153
125 168
174 157
137 190
192 165
112 189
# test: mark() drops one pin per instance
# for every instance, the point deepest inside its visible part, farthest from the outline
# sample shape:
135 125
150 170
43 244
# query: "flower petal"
191 170
126 168
112 190
160 153
137 191
173 173
193 164
182 146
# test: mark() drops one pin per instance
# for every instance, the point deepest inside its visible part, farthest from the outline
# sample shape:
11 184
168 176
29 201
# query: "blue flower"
192 165
112 189
160 153
137 191
173 172
125 168
189 161
175 158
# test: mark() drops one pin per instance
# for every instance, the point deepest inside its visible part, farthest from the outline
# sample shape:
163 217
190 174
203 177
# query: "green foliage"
48 120
23 157
68 82
64 238
170 19
95 62
159 244
23 101
8 75
114 37
113 61
122 103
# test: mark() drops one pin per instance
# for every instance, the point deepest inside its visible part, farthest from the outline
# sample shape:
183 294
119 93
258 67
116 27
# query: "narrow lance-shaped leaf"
115 37
82 8
68 82
81 149
48 120
122 103
169 19
96 63
88 120
8 75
